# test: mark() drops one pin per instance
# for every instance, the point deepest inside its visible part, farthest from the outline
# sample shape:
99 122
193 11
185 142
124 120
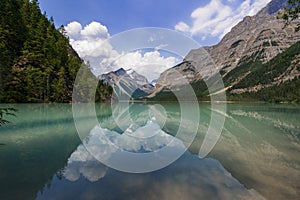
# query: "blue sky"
91 22
121 15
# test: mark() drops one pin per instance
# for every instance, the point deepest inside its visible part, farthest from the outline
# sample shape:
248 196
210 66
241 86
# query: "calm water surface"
256 157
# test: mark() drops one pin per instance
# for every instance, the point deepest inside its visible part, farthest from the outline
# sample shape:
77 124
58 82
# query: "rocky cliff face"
260 37
255 39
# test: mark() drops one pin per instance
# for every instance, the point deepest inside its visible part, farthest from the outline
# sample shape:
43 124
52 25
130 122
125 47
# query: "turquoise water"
256 157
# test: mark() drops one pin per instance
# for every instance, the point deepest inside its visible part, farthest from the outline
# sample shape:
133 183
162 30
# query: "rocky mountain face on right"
258 59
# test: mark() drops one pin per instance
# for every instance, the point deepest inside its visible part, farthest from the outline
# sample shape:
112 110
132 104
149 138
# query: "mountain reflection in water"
257 155
188 178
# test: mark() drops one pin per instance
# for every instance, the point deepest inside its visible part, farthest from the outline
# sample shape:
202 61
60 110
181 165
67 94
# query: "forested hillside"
274 81
37 64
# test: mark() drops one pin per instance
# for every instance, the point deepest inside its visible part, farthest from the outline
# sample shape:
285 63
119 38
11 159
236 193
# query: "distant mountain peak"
130 71
128 84
153 82
120 72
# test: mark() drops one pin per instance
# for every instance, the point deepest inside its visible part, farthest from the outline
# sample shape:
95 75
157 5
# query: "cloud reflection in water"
187 178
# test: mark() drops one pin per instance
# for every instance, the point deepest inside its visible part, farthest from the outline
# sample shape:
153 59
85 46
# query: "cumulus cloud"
81 162
151 64
73 29
92 44
216 19
150 138
182 26
95 30
89 41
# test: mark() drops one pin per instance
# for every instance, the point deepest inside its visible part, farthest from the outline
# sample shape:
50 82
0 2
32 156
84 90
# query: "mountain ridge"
127 84
257 39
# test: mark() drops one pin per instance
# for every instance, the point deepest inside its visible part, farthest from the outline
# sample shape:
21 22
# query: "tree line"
37 63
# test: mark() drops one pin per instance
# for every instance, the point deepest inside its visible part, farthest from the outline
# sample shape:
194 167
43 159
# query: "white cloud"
151 64
81 162
216 19
161 46
95 30
92 45
89 41
182 26
104 144
73 29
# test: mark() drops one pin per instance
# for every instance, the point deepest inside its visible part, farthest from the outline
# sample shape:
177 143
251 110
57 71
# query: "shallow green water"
257 155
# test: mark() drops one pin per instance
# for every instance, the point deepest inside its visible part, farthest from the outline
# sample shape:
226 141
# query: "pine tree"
37 63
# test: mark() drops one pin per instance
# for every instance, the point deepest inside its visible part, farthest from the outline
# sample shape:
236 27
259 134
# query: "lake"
257 155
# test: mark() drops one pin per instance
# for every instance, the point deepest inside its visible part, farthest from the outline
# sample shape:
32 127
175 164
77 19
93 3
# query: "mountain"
127 84
250 46
276 81
153 82
37 63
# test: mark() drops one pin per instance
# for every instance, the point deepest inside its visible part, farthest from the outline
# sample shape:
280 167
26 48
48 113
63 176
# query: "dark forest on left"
37 63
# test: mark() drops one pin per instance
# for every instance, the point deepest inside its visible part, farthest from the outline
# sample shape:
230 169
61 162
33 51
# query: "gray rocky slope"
257 38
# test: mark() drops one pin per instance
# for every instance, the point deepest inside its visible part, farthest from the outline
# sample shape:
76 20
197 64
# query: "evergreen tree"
37 63
291 13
